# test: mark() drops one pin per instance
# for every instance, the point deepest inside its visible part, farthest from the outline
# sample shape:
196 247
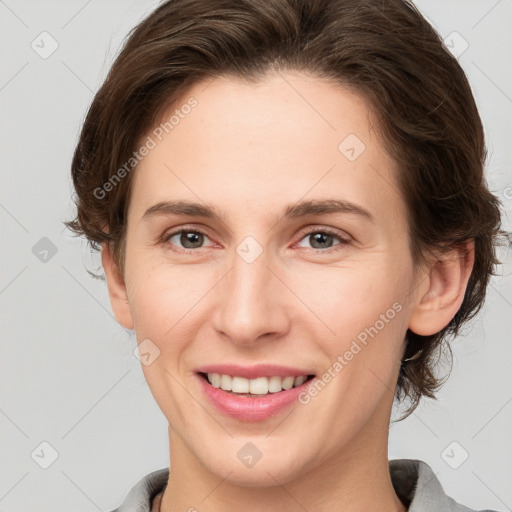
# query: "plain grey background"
79 425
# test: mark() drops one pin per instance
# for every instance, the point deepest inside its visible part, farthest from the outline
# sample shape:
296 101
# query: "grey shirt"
414 481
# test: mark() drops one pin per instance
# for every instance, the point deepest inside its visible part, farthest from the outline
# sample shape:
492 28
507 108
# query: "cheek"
364 311
159 304
170 304
346 300
163 301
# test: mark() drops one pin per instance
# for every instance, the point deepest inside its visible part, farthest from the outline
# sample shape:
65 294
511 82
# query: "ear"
442 295
116 288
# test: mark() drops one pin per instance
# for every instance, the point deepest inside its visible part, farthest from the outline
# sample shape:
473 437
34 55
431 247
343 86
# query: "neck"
356 478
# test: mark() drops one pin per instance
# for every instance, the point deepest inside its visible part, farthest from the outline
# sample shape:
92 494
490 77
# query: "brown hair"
389 54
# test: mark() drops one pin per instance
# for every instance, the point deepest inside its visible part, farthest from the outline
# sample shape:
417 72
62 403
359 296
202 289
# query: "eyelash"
323 231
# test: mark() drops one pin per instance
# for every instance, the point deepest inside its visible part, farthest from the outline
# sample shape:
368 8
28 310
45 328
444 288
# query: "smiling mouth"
258 387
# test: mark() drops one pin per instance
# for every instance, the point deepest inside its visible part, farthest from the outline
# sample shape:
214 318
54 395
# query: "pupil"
320 238
191 240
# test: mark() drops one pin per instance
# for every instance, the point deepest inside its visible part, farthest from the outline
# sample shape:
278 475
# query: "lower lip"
251 408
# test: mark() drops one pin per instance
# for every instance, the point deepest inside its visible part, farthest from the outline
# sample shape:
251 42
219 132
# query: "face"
296 263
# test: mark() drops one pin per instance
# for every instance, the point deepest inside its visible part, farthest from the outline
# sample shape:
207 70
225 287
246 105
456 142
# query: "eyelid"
342 235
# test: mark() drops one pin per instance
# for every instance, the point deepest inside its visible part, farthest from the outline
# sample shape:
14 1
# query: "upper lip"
252 372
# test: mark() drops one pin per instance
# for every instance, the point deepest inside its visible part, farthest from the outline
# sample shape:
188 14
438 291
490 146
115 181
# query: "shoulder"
141 495
418 487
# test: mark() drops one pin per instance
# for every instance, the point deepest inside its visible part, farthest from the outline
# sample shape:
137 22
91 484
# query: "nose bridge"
250 301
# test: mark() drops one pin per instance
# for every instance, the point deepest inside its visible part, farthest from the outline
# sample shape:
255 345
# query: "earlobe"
116 289
447 282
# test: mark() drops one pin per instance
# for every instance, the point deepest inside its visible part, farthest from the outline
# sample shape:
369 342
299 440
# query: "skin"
250 150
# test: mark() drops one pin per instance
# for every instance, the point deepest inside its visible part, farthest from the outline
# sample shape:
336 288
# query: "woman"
292 215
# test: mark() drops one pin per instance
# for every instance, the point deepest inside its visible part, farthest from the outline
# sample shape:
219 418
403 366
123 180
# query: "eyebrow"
292 211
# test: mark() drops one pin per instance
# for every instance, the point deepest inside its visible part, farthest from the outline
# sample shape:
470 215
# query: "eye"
188 238
322 239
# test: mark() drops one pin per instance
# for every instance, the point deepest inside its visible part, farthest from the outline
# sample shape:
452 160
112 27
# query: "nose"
252 302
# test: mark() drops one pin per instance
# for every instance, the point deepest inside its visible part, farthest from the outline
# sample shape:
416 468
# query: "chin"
260 475
257 463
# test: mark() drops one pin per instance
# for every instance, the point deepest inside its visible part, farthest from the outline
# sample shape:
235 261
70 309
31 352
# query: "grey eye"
187 239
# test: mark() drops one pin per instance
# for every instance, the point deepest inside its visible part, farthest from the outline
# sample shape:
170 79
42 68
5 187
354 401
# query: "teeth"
274 384
299 380
225 382
240 385
287 382
214 379
258 386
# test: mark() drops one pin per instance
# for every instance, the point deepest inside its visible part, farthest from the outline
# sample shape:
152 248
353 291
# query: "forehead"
288 136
